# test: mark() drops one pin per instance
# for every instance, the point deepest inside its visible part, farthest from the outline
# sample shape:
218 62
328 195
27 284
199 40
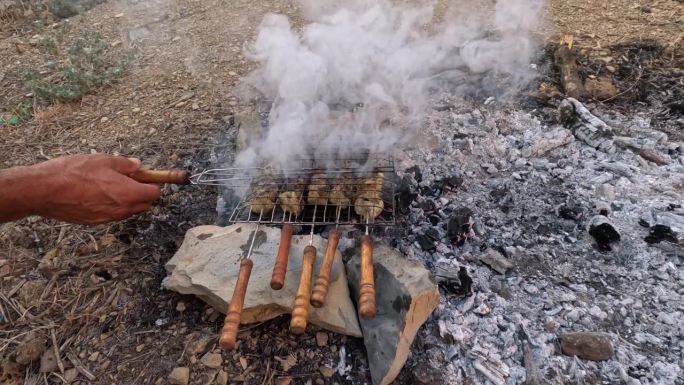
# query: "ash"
507 198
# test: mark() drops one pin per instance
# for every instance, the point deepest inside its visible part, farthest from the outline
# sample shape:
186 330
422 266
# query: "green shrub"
84 68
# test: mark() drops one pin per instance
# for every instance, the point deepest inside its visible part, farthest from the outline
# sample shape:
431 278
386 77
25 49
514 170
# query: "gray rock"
206 265
68 8
406 296
496 261
586 345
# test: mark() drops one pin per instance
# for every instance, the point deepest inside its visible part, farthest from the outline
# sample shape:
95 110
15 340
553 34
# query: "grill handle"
280 266
172 176
232 322
323 280
300 309
367 306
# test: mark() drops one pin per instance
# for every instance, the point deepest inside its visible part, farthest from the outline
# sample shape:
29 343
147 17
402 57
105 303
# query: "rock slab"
207 265
587 345
406 295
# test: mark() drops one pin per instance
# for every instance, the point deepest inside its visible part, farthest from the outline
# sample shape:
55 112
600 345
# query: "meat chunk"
291 199
342 191
319 190
369 205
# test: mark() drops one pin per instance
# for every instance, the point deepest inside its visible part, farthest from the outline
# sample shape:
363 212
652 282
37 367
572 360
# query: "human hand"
90 189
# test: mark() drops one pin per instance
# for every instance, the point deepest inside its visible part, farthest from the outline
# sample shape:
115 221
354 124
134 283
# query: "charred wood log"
570 79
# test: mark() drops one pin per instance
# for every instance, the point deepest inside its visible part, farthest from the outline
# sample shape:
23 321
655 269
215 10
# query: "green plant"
17 115
84 68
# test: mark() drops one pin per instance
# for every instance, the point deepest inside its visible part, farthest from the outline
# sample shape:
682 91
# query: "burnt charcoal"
676 107
673 207
664 226
405 195
430 191
433 234
451 183
425 242
604 232
571 212
460 225
424 374
500 192
417 175
660 233
543 229
434 219
428 205
462 285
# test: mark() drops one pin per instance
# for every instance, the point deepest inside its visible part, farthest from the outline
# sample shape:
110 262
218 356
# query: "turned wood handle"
280 266
367 307
300 309
161 176
232 321
323 280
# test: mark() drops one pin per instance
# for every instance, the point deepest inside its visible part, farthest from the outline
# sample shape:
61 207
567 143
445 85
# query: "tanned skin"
83 189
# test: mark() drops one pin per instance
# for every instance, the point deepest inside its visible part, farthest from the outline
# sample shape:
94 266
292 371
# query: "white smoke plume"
360 74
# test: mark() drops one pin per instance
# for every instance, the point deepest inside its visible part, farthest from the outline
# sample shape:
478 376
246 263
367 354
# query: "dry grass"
56 115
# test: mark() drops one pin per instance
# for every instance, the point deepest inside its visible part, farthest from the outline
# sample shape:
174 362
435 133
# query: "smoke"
359 75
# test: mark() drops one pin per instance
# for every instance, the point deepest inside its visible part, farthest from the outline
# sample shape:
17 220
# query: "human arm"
85 189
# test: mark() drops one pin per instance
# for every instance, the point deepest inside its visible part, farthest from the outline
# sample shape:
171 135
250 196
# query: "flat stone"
212 360
179 376
587 345
406 295
207 265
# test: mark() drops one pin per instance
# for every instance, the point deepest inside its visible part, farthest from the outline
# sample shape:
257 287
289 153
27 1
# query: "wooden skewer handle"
367 306
232 321
280 266
323 280
300 309
161 176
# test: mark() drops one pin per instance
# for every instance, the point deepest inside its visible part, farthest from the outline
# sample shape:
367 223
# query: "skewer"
300 309
228 338
367 305
280 266
323 280
172 176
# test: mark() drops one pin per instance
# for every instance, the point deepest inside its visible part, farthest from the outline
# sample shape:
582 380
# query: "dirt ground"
94 293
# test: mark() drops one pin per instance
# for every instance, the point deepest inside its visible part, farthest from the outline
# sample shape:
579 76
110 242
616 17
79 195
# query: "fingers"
123 165
146 192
